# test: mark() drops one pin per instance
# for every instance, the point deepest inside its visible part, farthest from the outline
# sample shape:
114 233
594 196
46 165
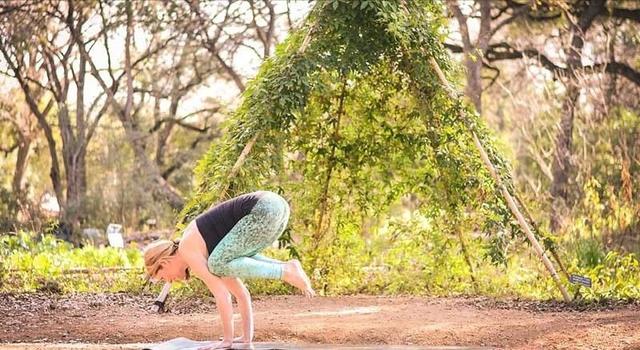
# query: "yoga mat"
188 344
179 344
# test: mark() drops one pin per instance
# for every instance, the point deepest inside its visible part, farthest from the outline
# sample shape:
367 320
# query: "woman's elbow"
219 291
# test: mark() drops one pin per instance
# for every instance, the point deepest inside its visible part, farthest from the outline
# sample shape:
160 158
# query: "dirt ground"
474 322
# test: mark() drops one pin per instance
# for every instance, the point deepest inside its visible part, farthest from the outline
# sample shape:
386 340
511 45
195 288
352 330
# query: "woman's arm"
198 266
238 289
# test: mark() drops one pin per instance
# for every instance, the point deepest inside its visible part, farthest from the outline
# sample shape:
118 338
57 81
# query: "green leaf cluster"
349 118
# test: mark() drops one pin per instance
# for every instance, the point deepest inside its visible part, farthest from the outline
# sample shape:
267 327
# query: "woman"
221 246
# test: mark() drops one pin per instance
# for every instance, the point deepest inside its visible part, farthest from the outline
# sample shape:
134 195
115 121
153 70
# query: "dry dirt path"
470 322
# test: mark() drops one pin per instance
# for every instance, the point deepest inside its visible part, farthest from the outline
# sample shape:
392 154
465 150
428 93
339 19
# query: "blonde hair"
157 252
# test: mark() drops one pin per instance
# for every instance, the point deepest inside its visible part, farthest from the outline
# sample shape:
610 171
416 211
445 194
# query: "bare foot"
295 276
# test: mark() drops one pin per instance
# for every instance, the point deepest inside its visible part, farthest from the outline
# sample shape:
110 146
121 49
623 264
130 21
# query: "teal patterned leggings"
237 253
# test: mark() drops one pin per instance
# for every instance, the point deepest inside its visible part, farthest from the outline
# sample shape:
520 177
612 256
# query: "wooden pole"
554 253
467 259
503 189
236 167
247 148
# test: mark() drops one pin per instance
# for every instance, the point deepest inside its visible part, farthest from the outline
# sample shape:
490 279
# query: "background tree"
59 52
552 35
51 57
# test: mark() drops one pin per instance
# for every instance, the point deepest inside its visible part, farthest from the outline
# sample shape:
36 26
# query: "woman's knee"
217 265
275 204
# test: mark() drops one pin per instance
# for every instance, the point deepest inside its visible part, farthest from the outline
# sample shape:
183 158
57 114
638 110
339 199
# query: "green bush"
616 277
404 255
42 262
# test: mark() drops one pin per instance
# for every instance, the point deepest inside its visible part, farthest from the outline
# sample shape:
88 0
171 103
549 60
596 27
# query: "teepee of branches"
315 87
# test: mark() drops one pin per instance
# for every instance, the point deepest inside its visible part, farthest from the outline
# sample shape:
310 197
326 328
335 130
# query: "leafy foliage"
410 254
45 263
351 123
381 171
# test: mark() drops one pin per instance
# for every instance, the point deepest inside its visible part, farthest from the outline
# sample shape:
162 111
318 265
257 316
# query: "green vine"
399 133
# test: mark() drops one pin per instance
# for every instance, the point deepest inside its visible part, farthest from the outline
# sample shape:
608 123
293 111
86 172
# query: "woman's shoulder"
192 241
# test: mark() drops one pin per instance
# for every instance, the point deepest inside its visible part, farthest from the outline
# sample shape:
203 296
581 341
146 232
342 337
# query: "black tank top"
216 222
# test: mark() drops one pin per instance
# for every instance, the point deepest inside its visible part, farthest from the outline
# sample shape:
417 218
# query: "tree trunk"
134 135
161 187
474 51
76 176
24 145
564 139
561 165
473 89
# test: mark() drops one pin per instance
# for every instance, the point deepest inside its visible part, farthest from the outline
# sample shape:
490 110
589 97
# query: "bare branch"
518 12
504 51
495 77
210 44
180 120
617 68
8 150
26 78
94 124
289 21
633 15
106 41
127 60
462 23
243 43
227 68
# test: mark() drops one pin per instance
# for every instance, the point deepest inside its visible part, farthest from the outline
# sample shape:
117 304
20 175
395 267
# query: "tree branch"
504 51
453 48
180 121
7 150
462 24
617 68
494 78
106 41
8 8
26 78
633 15
94 124
517 13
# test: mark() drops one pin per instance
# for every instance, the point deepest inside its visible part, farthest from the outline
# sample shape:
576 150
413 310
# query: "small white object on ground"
114 235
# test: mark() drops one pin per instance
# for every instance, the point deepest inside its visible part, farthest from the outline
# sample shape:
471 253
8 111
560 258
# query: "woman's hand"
238 289
219 345
198 265
240 339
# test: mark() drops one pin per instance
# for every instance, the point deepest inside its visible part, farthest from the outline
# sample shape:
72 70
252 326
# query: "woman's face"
170 272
